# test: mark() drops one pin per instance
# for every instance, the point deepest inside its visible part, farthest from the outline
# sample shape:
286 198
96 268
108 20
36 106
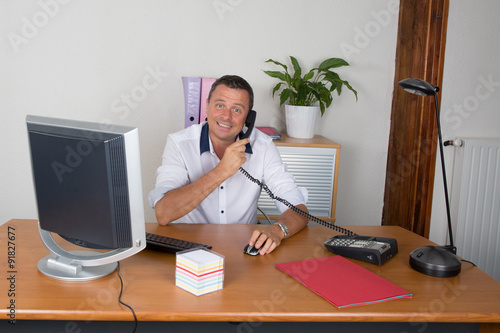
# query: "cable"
468 261
295 209
265 215
120 296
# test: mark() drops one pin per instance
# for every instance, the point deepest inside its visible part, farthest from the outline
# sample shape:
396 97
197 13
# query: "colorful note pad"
199 271
342 282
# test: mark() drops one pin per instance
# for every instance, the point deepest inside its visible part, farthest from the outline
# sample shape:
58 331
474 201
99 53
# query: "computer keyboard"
169 244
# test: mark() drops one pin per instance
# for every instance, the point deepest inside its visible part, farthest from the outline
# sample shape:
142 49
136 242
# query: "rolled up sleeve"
296 197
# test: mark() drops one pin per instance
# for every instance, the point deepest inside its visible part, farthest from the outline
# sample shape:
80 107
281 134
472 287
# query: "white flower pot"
301 121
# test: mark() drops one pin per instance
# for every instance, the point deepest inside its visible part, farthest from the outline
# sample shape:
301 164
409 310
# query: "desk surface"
254 290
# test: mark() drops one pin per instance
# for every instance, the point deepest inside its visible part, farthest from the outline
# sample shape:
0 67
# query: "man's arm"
268 237
179 202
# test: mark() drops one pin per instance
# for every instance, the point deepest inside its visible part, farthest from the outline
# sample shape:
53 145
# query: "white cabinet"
314 164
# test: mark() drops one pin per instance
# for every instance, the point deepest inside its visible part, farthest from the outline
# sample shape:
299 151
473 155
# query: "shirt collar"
205 141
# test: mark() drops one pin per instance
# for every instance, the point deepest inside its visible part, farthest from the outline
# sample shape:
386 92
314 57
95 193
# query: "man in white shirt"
199 182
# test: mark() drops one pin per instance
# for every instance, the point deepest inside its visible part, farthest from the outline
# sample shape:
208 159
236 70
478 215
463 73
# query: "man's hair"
233 82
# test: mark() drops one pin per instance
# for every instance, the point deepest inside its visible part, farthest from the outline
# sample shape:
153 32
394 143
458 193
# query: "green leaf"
331 76
277 63
276 88
333 63
334 79
322 108
326 97
284 95
351 89
309 75
348 87
296 67
276 74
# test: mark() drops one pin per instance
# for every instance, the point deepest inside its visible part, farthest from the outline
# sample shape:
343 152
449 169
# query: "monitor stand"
77 265
62 268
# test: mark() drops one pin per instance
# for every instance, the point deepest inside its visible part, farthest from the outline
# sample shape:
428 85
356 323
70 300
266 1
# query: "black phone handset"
249 124
376 250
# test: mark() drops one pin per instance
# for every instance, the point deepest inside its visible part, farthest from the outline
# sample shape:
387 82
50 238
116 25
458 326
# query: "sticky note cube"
199 271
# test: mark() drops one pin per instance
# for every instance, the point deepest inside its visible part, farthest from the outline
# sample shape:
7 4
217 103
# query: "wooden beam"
413 134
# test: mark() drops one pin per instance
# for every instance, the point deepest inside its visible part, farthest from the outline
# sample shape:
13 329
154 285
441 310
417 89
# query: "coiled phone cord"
295 209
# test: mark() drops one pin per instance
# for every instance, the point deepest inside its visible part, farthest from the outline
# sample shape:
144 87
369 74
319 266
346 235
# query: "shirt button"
222 212
222 187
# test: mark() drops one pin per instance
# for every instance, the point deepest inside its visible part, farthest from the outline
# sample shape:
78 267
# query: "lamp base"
437 261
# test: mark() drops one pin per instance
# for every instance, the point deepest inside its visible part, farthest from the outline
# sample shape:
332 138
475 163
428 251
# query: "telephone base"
375 250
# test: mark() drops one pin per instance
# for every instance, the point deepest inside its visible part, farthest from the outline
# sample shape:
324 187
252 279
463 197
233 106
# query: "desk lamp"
438 261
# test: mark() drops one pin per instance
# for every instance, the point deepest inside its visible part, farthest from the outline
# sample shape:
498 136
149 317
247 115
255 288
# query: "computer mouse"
251 250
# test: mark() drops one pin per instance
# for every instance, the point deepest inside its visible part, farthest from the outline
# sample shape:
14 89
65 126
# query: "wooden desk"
254 290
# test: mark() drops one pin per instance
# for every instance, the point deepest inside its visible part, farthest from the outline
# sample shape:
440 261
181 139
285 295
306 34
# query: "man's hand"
269 237
234 157
177 203
266 238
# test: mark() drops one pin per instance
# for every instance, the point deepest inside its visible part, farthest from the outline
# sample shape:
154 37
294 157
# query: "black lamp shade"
418 87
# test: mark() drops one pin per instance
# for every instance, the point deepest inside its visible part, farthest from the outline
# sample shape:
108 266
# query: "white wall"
87 60
469 106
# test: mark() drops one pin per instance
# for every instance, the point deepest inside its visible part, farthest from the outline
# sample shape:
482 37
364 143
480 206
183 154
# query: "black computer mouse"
251 250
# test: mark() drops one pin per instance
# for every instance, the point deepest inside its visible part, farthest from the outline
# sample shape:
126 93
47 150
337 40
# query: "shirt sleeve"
171 174
295 197
156 194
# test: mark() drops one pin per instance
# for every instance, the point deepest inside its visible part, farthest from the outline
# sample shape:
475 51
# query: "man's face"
226 112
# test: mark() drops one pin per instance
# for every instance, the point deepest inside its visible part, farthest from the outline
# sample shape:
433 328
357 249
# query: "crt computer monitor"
88 189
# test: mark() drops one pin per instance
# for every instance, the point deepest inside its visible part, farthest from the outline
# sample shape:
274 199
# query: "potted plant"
307 95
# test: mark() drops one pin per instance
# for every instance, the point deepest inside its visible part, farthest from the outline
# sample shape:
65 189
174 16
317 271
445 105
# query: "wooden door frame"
412 147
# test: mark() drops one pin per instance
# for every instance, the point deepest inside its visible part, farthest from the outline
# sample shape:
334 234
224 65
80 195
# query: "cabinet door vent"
314 169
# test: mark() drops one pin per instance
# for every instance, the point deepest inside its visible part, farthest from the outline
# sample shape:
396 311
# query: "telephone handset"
249 123
376 250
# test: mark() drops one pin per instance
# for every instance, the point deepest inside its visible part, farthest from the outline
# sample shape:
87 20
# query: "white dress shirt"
189 154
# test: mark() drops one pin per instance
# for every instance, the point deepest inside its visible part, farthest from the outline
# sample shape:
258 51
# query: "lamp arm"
448 215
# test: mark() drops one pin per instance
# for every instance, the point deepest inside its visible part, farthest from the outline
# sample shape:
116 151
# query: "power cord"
120 296
265 215
295 209
468 261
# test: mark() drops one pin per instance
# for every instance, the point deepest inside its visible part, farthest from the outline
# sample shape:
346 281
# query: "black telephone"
249 123
374 250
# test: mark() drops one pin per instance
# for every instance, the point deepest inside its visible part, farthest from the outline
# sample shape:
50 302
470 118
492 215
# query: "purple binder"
192 94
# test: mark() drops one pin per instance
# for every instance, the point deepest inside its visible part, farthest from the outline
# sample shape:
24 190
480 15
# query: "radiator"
476 203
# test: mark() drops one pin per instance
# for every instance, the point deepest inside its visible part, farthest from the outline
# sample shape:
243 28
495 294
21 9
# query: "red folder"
342 282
